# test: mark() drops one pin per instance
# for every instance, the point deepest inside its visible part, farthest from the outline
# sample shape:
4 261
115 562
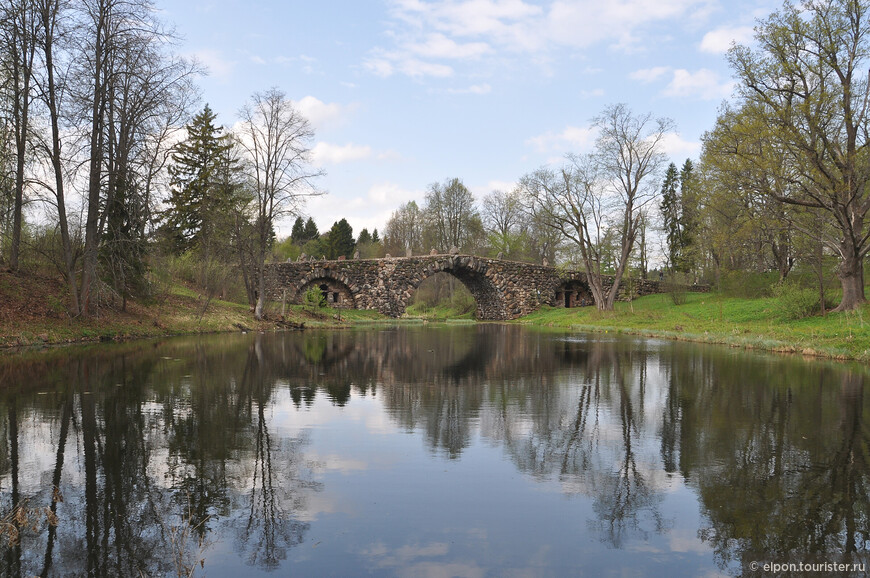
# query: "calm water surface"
480 450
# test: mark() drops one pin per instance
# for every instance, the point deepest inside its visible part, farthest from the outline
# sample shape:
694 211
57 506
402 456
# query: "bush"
677 286
795 302
314 299
748 284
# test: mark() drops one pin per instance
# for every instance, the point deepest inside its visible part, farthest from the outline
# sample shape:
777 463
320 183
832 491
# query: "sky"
405 93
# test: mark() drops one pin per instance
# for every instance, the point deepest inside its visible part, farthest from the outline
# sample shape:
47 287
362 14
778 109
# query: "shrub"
748 283
313 299
795 302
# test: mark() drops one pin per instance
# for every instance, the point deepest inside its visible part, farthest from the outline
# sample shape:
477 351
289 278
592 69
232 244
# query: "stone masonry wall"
501 289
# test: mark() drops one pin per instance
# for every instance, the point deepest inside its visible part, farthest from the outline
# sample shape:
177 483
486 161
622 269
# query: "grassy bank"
33 312
739 322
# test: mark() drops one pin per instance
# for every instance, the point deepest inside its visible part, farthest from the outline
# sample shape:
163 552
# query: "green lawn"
741 322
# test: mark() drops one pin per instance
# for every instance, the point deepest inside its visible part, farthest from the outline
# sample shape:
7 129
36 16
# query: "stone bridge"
502 289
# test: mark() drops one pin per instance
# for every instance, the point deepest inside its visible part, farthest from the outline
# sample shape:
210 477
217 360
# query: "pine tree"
196 198
375 237
671 213
311 231
340 241
364 238
297 234
687 217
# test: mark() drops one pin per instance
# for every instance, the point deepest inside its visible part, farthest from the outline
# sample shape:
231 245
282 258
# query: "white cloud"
369 209
428 33
675 147
219 67
439 46
320 113
324 153
704 84
480 192
473 89
385 64
648 75
570 139
719 41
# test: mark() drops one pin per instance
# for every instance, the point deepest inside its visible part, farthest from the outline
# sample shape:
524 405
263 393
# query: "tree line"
95 101
97 106
783 178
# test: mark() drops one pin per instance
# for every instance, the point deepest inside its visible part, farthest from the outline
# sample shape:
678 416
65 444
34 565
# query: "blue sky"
403 93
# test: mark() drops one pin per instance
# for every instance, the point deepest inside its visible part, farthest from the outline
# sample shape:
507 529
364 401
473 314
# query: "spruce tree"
671 212
364 238
340 242
199 164
311 231
297 234
687 216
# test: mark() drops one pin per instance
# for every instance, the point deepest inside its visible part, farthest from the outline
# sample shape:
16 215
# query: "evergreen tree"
297 234
196 196
688 226
671 213
375 237
364 238
311 231
340 241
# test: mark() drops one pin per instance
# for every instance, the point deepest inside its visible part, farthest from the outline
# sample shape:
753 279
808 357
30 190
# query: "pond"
465 450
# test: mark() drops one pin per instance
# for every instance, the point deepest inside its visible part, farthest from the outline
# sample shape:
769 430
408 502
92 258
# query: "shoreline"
32 316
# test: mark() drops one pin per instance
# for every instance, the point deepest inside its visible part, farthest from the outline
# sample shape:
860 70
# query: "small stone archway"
573 293
335 292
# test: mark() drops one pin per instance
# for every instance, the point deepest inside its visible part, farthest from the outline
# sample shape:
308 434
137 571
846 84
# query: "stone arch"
573 293
471 272
336 292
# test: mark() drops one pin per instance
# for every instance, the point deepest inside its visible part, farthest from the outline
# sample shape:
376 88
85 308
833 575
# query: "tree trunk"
261 286
89 269
22 63
49 15
851 275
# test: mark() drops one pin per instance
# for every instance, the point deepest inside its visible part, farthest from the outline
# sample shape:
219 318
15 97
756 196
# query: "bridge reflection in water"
142 438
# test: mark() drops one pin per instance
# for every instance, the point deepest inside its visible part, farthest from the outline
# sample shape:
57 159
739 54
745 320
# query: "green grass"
440 312
739 322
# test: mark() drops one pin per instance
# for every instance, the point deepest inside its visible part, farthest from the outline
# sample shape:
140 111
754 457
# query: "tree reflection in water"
121 442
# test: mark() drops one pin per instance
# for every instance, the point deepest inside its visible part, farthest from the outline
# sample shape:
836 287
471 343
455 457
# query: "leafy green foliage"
340 241
794 301
364 237
201 182
313 300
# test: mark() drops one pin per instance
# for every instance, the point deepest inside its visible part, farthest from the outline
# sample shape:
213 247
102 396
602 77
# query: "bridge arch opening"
442 289
488 301
573 294
335 293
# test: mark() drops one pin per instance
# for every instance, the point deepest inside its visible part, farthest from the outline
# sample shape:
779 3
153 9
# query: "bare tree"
630 152
452 217
18 19
504 221
277 140
603 194
569 200
404 231
49 13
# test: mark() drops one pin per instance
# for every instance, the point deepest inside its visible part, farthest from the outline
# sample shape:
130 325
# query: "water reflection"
156 456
